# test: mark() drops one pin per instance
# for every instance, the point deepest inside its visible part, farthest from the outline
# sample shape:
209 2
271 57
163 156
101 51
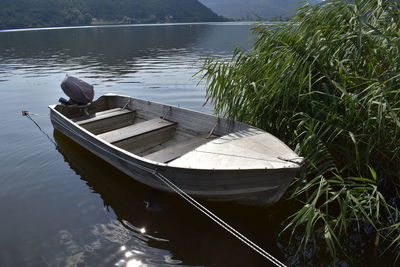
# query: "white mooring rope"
218 220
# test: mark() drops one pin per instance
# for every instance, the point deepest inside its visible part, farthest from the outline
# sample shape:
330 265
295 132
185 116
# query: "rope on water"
218 220
27 114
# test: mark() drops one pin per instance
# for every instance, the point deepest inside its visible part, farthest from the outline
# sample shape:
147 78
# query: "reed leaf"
328 84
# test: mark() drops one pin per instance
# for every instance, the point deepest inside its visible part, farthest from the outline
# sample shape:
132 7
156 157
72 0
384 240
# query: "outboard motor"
79 92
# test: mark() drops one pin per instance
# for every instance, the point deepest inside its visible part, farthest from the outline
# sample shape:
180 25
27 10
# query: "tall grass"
328 84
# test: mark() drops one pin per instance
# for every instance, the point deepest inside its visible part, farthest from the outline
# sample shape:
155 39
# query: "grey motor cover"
80 92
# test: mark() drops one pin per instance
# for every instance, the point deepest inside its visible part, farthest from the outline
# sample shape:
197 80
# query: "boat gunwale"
165 165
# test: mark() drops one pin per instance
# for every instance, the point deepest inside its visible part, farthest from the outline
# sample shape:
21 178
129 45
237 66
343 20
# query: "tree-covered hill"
43 13
240 9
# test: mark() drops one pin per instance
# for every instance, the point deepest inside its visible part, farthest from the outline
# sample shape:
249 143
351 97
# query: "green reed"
328 84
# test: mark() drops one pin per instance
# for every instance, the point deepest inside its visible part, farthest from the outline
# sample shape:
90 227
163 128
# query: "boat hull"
254 187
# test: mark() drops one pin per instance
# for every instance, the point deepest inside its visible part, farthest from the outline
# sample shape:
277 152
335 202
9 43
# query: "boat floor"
156 139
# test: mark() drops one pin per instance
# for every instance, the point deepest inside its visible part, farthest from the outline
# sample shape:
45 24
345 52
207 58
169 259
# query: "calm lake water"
62 206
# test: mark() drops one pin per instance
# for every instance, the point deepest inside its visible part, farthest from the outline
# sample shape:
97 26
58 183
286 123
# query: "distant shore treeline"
45 13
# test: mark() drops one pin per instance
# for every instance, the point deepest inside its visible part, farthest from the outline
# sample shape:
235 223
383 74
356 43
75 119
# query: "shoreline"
225 23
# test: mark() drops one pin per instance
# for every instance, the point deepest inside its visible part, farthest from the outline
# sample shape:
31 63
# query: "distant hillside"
240 9
43 13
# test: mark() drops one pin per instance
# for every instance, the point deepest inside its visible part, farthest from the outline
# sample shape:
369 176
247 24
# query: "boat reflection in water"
164 224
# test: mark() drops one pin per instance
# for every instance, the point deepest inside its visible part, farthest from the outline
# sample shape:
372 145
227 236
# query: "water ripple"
63 206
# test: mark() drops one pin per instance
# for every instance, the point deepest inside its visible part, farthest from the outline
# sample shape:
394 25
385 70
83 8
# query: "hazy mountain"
247 8
42 13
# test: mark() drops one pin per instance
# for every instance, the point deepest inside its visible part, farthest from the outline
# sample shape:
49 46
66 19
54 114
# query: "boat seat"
107 120
141 136
170 153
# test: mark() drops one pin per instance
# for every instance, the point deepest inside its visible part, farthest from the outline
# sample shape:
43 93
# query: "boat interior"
147 132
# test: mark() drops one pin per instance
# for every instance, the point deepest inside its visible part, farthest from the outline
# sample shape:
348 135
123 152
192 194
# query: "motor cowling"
79 91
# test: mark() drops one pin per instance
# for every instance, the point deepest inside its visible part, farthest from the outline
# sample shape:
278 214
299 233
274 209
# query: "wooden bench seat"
141 136
170 153
107 120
